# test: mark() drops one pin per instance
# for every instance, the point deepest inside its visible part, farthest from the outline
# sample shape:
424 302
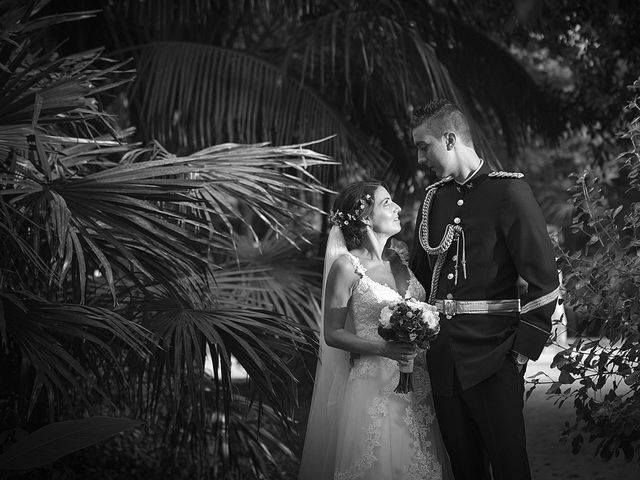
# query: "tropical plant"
122 266
49 443
289 70
600 369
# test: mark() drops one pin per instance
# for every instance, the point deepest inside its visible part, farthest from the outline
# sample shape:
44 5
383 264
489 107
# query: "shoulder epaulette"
505 174
440 182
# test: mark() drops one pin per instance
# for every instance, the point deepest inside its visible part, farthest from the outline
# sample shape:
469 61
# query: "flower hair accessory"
340 218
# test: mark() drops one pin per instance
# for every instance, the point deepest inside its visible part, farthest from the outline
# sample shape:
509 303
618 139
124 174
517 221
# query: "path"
550 459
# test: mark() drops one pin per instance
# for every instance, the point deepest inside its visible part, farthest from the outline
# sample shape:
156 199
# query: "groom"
476 233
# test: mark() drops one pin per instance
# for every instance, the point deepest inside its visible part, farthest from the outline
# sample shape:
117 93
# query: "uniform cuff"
530 340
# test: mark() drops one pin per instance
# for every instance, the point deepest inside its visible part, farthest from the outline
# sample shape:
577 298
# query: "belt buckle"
449 308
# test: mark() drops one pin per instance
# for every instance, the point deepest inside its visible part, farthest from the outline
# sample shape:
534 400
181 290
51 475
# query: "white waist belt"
454 307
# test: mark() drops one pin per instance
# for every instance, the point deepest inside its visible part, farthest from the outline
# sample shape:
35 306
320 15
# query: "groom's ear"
450 140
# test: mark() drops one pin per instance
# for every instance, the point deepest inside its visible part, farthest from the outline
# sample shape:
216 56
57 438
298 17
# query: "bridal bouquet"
409 321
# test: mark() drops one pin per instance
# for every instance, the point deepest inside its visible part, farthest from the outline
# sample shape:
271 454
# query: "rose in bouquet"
409 321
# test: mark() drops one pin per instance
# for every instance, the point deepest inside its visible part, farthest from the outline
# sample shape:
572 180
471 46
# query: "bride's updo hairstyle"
353 204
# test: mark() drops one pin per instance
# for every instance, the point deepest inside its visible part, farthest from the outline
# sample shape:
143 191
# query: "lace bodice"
367 301
370 297
380 420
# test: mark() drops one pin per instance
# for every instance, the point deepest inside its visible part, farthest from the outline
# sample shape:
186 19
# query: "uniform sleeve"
530 248
419 261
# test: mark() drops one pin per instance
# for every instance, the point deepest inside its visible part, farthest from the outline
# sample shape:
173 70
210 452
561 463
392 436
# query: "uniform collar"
478 175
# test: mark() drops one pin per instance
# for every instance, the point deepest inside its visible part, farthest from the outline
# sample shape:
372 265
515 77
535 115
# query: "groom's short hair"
443 116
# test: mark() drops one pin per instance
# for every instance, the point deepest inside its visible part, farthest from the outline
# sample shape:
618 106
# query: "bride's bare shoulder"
344 265
343 275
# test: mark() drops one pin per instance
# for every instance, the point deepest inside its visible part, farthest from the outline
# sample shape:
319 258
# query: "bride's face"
385 215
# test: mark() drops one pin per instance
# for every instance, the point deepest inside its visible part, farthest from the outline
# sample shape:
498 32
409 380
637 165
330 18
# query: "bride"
358 428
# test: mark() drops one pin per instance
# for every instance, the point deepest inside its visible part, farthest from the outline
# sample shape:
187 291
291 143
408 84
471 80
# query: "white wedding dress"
379 434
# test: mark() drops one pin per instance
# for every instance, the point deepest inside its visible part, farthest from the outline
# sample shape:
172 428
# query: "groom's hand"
521 361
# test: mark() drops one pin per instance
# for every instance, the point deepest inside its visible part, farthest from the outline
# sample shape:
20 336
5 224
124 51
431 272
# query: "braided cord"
450 233
505 175
435 278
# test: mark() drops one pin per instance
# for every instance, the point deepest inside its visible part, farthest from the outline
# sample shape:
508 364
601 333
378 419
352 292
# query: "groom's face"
432 150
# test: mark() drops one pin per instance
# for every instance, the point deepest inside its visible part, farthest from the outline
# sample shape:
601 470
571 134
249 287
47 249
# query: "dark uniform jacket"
505 237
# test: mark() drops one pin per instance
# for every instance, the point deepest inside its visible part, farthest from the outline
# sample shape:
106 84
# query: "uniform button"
460 202
450 276
456 220
448 317
454 258
449 296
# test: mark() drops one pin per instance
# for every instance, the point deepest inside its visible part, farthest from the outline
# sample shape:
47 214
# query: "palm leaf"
253 435
396 67
261 341
397 47
35 101
163 206
174 388
376 40
75 200
276 277
49 443
47 100
369 63
45 333
192 95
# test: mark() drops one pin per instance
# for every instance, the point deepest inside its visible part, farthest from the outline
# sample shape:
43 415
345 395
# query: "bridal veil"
318 456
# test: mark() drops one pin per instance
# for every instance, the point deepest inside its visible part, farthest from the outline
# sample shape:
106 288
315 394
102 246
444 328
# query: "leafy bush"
600 369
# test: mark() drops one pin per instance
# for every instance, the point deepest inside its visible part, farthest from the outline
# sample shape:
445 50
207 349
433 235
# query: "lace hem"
419 418
377 411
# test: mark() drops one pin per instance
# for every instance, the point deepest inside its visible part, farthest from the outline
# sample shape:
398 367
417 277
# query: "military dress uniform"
473 241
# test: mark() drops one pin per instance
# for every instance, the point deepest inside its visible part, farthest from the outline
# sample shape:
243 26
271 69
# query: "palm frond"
50 337
278 277
262 341
41 92
287 71
373 60
171 207
255 435
408 53
191 95
377 41
55 440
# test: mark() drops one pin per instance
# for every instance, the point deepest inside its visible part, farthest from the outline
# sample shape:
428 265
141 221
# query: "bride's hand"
398 351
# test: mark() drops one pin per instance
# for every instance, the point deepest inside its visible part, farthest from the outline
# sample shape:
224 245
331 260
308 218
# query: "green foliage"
600 370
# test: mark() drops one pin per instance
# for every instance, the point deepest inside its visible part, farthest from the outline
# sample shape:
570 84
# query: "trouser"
485 425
